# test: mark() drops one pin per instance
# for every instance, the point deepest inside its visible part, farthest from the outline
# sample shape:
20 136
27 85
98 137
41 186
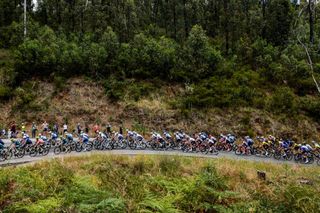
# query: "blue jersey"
304 149
231 139
1 144
249 142
69 137
54 136
85 137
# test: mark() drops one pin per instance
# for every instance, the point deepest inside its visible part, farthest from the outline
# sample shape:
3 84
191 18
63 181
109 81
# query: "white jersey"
102 135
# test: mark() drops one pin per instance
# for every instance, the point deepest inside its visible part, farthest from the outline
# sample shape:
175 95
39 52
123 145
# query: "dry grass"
157 184
85 102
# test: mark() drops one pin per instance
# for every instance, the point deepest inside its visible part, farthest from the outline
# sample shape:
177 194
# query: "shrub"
59 83
283 101
208 193
169 165
5 92
117 89
311 106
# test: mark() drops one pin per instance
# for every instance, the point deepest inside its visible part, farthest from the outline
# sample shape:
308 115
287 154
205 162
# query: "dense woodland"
229 52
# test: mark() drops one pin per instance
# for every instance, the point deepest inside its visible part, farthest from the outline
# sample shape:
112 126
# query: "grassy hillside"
82 100
103 183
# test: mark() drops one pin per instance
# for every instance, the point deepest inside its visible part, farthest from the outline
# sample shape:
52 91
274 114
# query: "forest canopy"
231 52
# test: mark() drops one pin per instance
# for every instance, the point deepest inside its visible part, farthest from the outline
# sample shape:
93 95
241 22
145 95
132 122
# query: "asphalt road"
228 155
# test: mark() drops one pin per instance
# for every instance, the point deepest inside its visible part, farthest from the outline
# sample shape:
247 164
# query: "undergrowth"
157 184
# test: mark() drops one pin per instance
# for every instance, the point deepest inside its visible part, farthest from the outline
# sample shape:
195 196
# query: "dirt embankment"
85 102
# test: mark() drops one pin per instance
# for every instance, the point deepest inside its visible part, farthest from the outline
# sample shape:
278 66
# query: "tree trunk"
166 16
186 30
58 12
264 4
311 21
226 23
174 19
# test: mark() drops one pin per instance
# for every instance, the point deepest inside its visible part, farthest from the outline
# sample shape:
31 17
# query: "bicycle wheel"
277 155
203 149
259 153
96 144
214 151
237 151
123 144
33 152
143 145
45 151
79 147
132 145
89 146
297 158
9 154
311 159
2 155
57 150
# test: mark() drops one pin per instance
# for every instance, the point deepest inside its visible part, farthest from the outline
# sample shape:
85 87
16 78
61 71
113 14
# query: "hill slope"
81 100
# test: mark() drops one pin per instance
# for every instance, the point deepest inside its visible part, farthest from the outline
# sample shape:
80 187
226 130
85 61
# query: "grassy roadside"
157 184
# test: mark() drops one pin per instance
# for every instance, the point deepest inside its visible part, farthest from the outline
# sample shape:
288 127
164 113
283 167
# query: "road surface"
228 155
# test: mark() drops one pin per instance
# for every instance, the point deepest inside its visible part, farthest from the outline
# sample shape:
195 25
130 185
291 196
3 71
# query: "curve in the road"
51 155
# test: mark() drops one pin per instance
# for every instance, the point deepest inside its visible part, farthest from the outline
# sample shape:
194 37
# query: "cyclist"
266 145
69 137
118 136
43 138
1 144
191 141
179 136
84 137
247 143
168 138
138 137
203 136
130 134
158 138
306 149
39 141
54 136
167 135
211 141
285 144
102 136
26 140
231 139
272 138
14 143
316 146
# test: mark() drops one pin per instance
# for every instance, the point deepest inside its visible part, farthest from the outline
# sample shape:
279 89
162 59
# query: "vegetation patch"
102 183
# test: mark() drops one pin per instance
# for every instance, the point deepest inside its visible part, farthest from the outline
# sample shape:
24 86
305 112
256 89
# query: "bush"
208 193
59 83
131 89
5 92
311 106
282 101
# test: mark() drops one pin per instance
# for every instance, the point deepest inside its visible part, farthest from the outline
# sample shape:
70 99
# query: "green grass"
103 183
